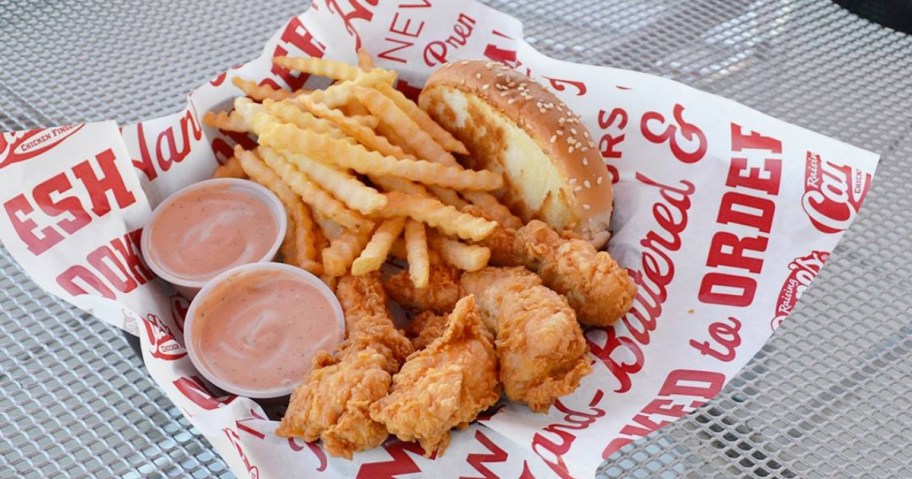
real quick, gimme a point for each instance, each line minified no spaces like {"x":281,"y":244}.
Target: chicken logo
{"x":832,"y":193}
{"x":21,"y":146}
{"x":802,"y":271}
{"x":164,"y":343}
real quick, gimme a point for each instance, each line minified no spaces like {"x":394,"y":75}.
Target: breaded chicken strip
{"x":540,"y":345}
{"x":440,"y":296}
{"x":332,"y":403}
{"x":444,"y":385}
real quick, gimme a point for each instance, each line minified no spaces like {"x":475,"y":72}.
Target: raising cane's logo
{"x":802,"y":271}
{"x":21,"y":146}
{"x":832,"y":193}
{"x":164,"y":344}
{"x":194,"y":389}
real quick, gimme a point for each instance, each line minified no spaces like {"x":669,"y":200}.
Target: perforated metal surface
{"x":829,"y":396}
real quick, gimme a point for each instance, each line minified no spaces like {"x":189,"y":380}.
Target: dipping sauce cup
{"x":254,"y":329}
{"x":210,"y":227}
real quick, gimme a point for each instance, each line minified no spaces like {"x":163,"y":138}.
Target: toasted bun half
{"x":512,"y":125}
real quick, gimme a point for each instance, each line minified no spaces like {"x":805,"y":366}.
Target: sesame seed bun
{"x":512,"y":125}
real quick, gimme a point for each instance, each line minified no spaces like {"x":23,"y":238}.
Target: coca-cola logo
{"x":802,"y":271}
{"x":832,"y":193}
{"x":194,"y":389}
{"x":164,"y":344}
{"x":23,"y":145}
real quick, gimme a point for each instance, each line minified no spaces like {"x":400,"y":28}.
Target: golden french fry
{"x":493,"y":209}
{"x":419,"y":116}
{"x":374,"y":254}
{"x":344,"y":186}
{"x":448,"y":196}
{"x":261,"y":92}
{"x":226,"y":121}
{"x":458,"y":254}
{"x":289,"y":113}
{"x":416,"y":248}
{"x":365,"y":62}
{"x":231,"y":169}
{"x":366,"y":120}
{"x":399,"y":251}
{"x":358,"y":158}
{"x":342,"y":93}
{"x":343,"y":251}
{"x":300,"y":247}
{"x":328,"y":229}
{"x":406,"y":129}
{"x":355,"y":108}
{"x":394,"y":183}
{"x":319,"y":66}
{"x":313,"y":195}
{"x":360,"y":132}
{"x":434,"y":213}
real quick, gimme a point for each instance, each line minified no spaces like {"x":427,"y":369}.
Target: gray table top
{"x":829,"y":396}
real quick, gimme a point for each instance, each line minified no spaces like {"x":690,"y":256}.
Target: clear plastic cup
{"x":193,"y":325}
{"x":189,"y":287}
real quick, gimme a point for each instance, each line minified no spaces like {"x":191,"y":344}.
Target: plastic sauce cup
{"x":254,"y":329}
{"x":209,"y":227}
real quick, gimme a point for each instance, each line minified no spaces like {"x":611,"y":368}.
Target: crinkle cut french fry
{"x":447,"y":196}
{"x":416,"y":247}
{"x":329,"y":229}
{"x":493,"y":209}
{"x":406,"y":129}
{"x":226,"y":121}
{"x":365,"y":61}
{"x":361,"y":133}
{"x":434,"y":213}
{"x":343,"y":251}
{"x":335,"y":96}
{"x":341,"y":184}
{"x":458,"y":254}
{"x":299,"y":247}
{"x":289,"y":113}
{"x":399,"y":251}
{"x":315,"y":196}
{"x":394,"y":183}
{"x":261,"y":92}
{"x":419,"y":116}
{"x":319,"y":66}
{"x":358,"y":158}
{"x":231,"y":169}
{"x":366,"y":120}
{"x":374,"y":254}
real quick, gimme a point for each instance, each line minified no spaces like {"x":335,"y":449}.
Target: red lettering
{"x":727,"y":289}
{"x":111,"y":181}
{"x":68,"y":281}
{"x":404,"y":29}
{"x":694,"y":383}
{"x":689,"y":132}
{"x":59,"y":183}
{"x":435,"y":52}
{"x":747,"y":210}
{"x":358,"y":12}
{"x":728,"y":249}
{"x":753,"y":141}
{"x":388,"y":54}
{"x":297,"y":36}
{"x":725,"y":335}
{"x":18,"y":208}
{"x":103,"y":259}
{"x":753,"y":178}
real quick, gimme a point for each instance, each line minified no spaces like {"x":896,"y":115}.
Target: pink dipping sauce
{"x":259,"y":330}
{"x":209,"y":230}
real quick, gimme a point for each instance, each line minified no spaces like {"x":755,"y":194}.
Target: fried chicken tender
{"x":540,"y":345}
{"x":333,"y":401}
{"x":444,"y":385}
{"x":597,"y":288}
{"x":425,"y":328}
{"x":440,"y":296}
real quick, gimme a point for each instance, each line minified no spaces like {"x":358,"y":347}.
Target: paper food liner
{"x":723,"y":217}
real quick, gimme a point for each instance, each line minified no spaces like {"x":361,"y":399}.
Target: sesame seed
{"x":573,"y":181}
{"x":500,"y":87}
{"x":586,"y":133}
{"x":561,"y":121}
{"x":570,"y":150}
{"x":511,"y":101}
{"x":499,"y":74}
{"x":465,"y":62}
{"x":478,"y":76}
{"x":573,"y":130}
{"x":586,"y":206}
{"x":553,"y":138}
{"x":560,"y":132}
{"x":599,"y":180}
{"x":584,"y":149}
{"x":587,"y":184}
{"x":542,"y":110}
{"x":485,"y":87}
{"x":577,"y":189}
{"x":585,"y":161}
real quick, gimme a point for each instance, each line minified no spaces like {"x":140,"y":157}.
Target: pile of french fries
{"x":363,"y":173}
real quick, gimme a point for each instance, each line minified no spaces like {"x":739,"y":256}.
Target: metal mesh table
{"x":829,"y":396}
